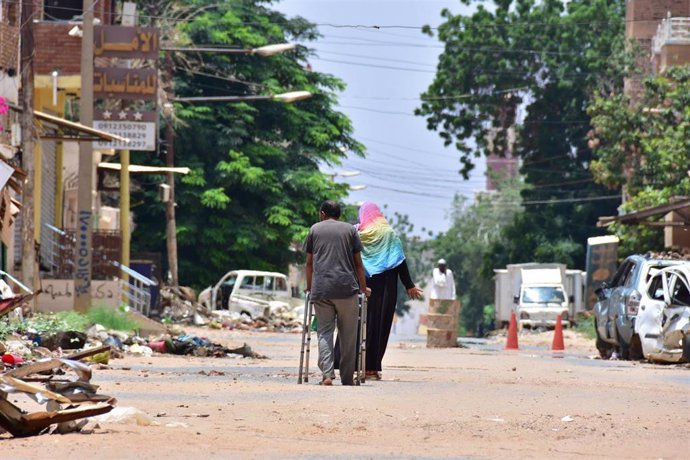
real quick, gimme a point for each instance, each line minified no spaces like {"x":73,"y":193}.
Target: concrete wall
{"x":58,"y":295}
{"x":643,"y":16}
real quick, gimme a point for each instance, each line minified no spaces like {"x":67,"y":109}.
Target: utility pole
{"x":171,"y":225}
{"x":83,"y":248}
{"x":29,"y":263}
{"x":124,"y":207}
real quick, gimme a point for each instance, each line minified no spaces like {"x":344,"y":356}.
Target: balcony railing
{"x":671,"y":31}
{"x":134,"y":289}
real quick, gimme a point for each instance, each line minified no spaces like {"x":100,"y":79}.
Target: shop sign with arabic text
{"x":119,"y":83}
{"x":126,"y":42}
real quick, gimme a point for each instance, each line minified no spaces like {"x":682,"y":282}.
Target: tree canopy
{"x":642,"y":146}
{"x":531,"y":66}
{"x":255,"y":185}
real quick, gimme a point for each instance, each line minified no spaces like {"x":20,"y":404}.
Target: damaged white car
{"x":250,"y":292}
{"x":662,"y":325}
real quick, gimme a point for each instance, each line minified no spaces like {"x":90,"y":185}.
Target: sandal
{"x":373,"y":375}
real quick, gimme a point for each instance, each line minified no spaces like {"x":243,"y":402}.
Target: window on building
{"x":61,"y":10}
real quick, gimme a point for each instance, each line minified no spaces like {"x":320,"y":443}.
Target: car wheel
{"x":636,"y":348}
{"x":603,"y":347}
{"x":624,"y":349}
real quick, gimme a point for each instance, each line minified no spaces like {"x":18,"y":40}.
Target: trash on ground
{"x":45,"y":382}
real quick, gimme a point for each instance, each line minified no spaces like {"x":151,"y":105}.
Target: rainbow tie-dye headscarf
{"x":382,"y":249}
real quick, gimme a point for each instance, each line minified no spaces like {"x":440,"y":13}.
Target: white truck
{"x":537,"y":293}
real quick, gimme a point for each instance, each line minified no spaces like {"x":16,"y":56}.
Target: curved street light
{"x":263,"y":51}
{"x":288,"y":98}
{"x":352,"y":173}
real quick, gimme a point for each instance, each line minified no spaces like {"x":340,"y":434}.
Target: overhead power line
{"x":78,"y":11}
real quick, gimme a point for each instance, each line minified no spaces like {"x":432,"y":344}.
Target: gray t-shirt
{"x":333,"y":245}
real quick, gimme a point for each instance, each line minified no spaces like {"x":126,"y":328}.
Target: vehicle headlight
{"x":564,"y":316}
{"x":524,"y":315}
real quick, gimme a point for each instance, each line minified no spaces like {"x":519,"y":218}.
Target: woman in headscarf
{"x":384,"y":262}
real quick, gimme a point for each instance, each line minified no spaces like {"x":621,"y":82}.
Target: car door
{"x":616,"y":304}
{"x":648,"y":320}
{"x":675,"y":312}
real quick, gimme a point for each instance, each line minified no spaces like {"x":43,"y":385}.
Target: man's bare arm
{"x":310,"y":270}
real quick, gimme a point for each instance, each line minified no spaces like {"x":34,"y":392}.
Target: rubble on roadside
{"x":178,"y":306}
{"x":45,"y":382}
{"x":277,"y":321}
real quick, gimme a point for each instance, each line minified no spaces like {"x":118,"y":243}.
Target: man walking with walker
{"x":335,"y":276}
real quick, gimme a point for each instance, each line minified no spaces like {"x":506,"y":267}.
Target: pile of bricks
{"x":442,"y":323}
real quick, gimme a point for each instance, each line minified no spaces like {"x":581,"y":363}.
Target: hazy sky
{"x":407,"y":167}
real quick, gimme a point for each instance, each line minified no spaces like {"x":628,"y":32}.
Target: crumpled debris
{"x":179,"y":305}
{"x":197,"y":346}
{"x":280,"y":319}
{"x":67,"y":400}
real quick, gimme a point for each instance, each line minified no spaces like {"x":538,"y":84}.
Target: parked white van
{"x":249,"y":292}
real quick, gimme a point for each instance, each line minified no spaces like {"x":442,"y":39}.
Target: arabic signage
{"x":126,"y":42}
{"x":119,"y":83}
{"x":58,"y":295}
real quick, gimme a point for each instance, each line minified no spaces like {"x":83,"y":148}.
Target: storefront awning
{"x":78,"y":128}
{"x":680,"y":206}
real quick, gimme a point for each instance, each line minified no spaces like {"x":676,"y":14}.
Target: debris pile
{"x":178,"y":305}
{"x":45,"y":382}
{"x":195,"y":346}
{"x":680,"y":254}
{"x":279,"y":320}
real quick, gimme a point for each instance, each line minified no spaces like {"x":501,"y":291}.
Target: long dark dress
{"x":380,"y":312}
{"x":381,"y":309}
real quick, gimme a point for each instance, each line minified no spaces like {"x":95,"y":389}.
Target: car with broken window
{"x":618,"y":304}
{"x":249,"y":292}
{"x":662,"y":325}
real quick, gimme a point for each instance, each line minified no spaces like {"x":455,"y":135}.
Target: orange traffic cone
{"x":512,"y":342}
{"x":557,"y":344}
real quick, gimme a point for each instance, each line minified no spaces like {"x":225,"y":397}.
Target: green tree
{"x":475,"y":228}
{"x":255,"y":185}
{"x":642,"y":146}
{"x":531,"y":66}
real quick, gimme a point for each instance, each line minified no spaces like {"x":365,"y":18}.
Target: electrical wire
{"x":379,"y":26}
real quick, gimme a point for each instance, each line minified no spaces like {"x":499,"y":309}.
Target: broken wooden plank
{"x":87,"y":353}
{"x":20,"y":385}
{"x":36,"y":422}
{"x":42,"y":365}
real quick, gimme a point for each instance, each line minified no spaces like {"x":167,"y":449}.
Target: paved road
{"x":475,"y":402}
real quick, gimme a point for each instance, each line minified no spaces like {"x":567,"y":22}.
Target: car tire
{"x":603,"y":347}
{"x":686,"y":349}
{"x":636,"y":348}
{"x":624,"y":349}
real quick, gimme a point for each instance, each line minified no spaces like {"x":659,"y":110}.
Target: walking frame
{"x":360,"y":373}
